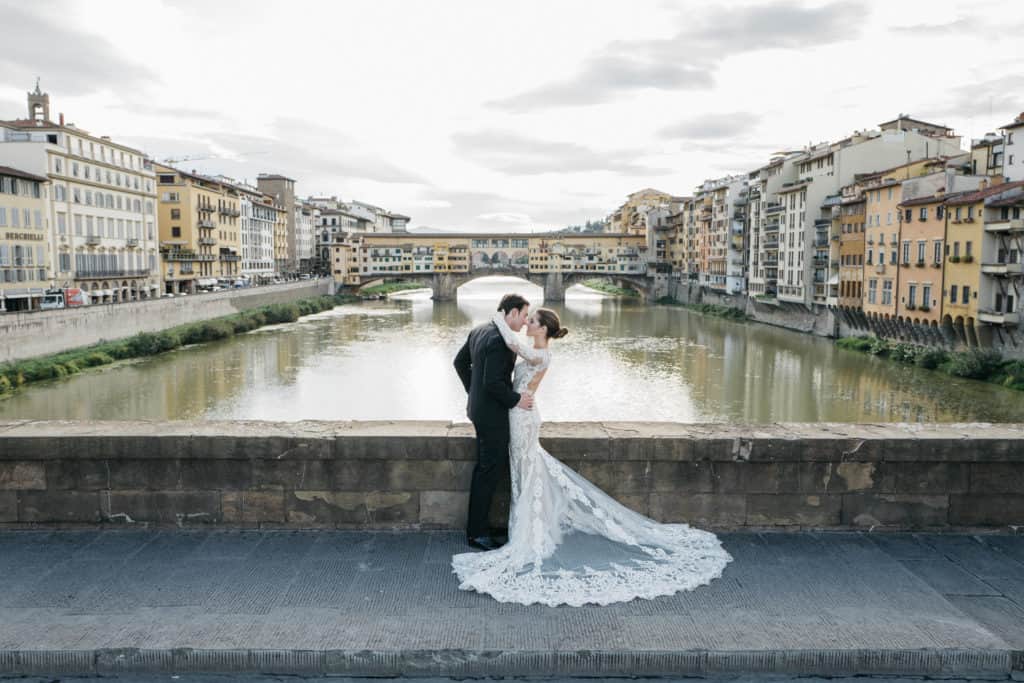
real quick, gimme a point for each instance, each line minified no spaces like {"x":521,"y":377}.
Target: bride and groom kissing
{"x":569,"y":543}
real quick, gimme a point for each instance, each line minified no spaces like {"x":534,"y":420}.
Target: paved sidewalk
{"x":374,"y":604}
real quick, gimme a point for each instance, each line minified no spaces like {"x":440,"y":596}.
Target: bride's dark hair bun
{"x":549,"y":319}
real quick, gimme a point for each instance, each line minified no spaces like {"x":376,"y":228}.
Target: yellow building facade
{"x":198,"y":219}
{"x":25,"y":267}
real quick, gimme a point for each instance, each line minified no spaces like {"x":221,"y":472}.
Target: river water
{"x":621,"y":361}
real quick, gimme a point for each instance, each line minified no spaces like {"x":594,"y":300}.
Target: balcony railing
{"x":132,"y":242}
{"x":207,"y":224}
{"x":880,"y":268}
{"x":180,"y":256}
{"x":96,"y":273}
{"x":1002,"y":269}
{"x":230,"y":257}
{"x":205,"y":208}
{"x":207,"y":241}
{"x":92,"y":239}
{"x":998,"y":317}
{"x":773,"y":208}
{"x":1006,"y":225}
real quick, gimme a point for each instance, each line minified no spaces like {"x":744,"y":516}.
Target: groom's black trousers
{"x":491,"y":461}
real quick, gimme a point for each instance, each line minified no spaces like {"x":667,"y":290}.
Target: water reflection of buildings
{"x":621,"y":361}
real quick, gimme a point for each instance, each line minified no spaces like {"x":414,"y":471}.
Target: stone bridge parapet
{"x":415,"y":475}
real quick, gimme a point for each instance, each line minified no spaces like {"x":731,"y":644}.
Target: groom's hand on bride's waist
{"x":525,"y":401}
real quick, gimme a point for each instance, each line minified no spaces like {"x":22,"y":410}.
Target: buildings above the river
{"x":24,"y":239}
{"x":360,"y":257}
{"x":98,"y":213}
{"x":895,"y":224}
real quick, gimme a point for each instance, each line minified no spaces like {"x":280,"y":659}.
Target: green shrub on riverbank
{"x":390,"y":288}
{"x":19,"y":373}
{"x":609,"y":288}
{"x":727,"y":312}
{"x":987,"y":366}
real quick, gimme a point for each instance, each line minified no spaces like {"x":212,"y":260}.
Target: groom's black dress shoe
{"x":483,"y":543}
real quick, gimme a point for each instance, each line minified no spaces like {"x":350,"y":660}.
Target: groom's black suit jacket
{"x":485,"y":367}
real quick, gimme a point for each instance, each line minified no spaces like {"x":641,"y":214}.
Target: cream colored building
{"x":631,"y":217}
{"x":25,"y":266}
{"x":101,"y":208}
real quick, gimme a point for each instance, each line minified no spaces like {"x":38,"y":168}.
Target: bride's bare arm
{"x":514,"y":342}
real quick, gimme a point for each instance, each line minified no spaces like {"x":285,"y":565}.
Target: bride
{"x":569,"y":542}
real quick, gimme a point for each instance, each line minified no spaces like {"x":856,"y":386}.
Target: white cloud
{"x":539,"y":115}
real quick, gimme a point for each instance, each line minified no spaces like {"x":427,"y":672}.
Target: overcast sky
{"x":505,"y":116}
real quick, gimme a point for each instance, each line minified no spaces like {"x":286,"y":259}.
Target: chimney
{"x":983,"y":184}
{"x":62,"y":119}
{"x":998,"y":179}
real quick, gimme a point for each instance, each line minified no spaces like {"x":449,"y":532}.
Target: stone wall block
{"x":253,"y":506}
{"x":22,"y":476}
{"x":444,"y":509}
{"x":8,"y":506}
{"x":630,"y":448}
{"x":842,"y":477}
{"x":423,"y":475}
{"x":997,"y":477}
{"x":682,"y":477}
{"x":215,"y":474}
{"x":59,"y":506}
{"x":396,"y":447}
{"x":283,"y":448}
{"x":756,"y":477}
{"x":77,"y":475}
{"x":359,"y":475}
{"x":152,"y":475}
{"x":719,"y":449}
{"x":986,"y":509}
{"x":181,"y":508}
{"x":629,"y":476}
{"x":582,"y":449}
{"x":814,"y":510}
{"x":907,"y":511}
{"x":17,"y":447}
{"x":716,"y":509}
{"x":367,"y":509}
{"x":928,"y":477}
{"x":292,"y":474}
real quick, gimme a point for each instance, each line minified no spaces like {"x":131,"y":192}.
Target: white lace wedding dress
{"x":569,"y":542}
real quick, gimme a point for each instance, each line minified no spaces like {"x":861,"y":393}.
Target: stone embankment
{"x":415,"y":475}
{"x":42,"y":333}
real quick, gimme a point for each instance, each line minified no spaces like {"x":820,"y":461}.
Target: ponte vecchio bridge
{"x":444,"y":262}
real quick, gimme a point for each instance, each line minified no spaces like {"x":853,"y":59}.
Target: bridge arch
{"x":444,"y":286}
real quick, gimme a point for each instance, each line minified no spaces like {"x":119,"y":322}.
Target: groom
{"x":485,"y":365}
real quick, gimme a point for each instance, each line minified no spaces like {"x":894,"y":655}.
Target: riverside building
{"x":25,"y":266}
{"x":100,"y":208}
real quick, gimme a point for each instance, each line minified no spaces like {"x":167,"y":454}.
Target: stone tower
{"x":38,"y":104}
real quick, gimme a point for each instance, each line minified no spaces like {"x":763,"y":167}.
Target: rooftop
{"x":24,"y":175}
{"x":979,"y":195}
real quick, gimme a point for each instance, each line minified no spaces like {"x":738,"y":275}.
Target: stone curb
{"x":478,"y":663}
